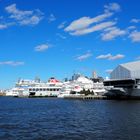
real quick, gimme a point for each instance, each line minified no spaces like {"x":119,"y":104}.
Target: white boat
{"x":55,"y":88}
{"x":27,"y":88}
{"x":80,"y":84}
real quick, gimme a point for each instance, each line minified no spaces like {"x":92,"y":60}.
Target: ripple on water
{"x":41,"y":119}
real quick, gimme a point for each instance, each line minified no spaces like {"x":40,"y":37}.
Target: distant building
{"x":66,"y":79}
{"x":75,"y":76}
{"x":37,"y":79}
{"x":126,"y":71}
{"x":94,"y":74}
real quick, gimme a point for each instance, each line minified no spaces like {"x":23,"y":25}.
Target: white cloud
{"x":107,"y":56}
{"x":62,"y":25}
{"x":84,"y":56}
{"x":131,"y":27}
{"x":110,"y":56}
{"x":24,"y":17}
{"x":85,"y":22}
{"x":135,"y":36}
{"x":112,"y":7}
{"x":41,"y":48}
{"x":111,"y":33}
{"x":12,"y":63}
{"x":135,"y":20}
{"x":118,"y":56}
{"x":3,"y":26}
{"x":51,"y":18}
{"x":33,"y":20}
{"x":95,"y":28}
{"x":86,"y":25}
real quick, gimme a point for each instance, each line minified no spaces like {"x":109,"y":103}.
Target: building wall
{"x":120,"y":73}
{"x":135,"y":74}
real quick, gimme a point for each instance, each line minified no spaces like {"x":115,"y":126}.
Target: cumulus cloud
{"x":131,"y":27}
{"x":41,"y":48}
{"x":95,"y":28}
{"x":84,"y":56}
{"x":107,"y":56}
{"x":51,"y":18}
{"x":110,"y":56}
{"x":3,"y":26}
{"x":112,"y":7}
{"x":134,"y":20}
{"x":11,"y":63}
{"x":112,"y":32}
{"x":86,"y":25}
{"x":85,"y":22}
{"x":135,"y":36}
{"x":24,"y":17}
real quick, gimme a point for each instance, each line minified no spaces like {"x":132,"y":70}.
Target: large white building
{"x":126,"y":71}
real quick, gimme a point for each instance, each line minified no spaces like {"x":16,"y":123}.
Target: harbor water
{"x":63,"y":119}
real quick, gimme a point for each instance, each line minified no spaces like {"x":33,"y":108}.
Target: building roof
{"x":133,"y":66}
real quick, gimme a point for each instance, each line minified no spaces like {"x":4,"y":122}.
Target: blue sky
{"x":58,"y":37}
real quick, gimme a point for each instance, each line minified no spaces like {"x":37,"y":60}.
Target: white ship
{"x":55,"y":88}
{"x":80,"y":84}
{"x":30,"y":88}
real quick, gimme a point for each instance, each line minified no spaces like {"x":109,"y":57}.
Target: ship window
{"x":30,"y":89}
{"x":37,"y":89}
{"x":40,"y":89}
{"x":54,"y":89}
{"x":44,"y":89}
{"x":33,"y":89}
{"x":50,"y":89}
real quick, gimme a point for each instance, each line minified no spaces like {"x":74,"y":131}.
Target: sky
{"x":56,"y":38}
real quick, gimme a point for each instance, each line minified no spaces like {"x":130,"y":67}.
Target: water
{"x":58,"y":119}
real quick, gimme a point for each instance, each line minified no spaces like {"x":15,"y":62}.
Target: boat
{"x":80,"y":84}
{"x":33,"y":88}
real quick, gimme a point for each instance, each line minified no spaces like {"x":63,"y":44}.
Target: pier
{"x":89,"y":97}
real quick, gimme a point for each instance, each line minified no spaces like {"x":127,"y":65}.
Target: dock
{"x":88,"y":97}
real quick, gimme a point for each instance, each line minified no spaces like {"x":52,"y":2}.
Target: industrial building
{"x":129,"y":70}
{"x":125,"y":81}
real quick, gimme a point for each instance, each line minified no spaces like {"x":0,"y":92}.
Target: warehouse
{"x":129,"y":70}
